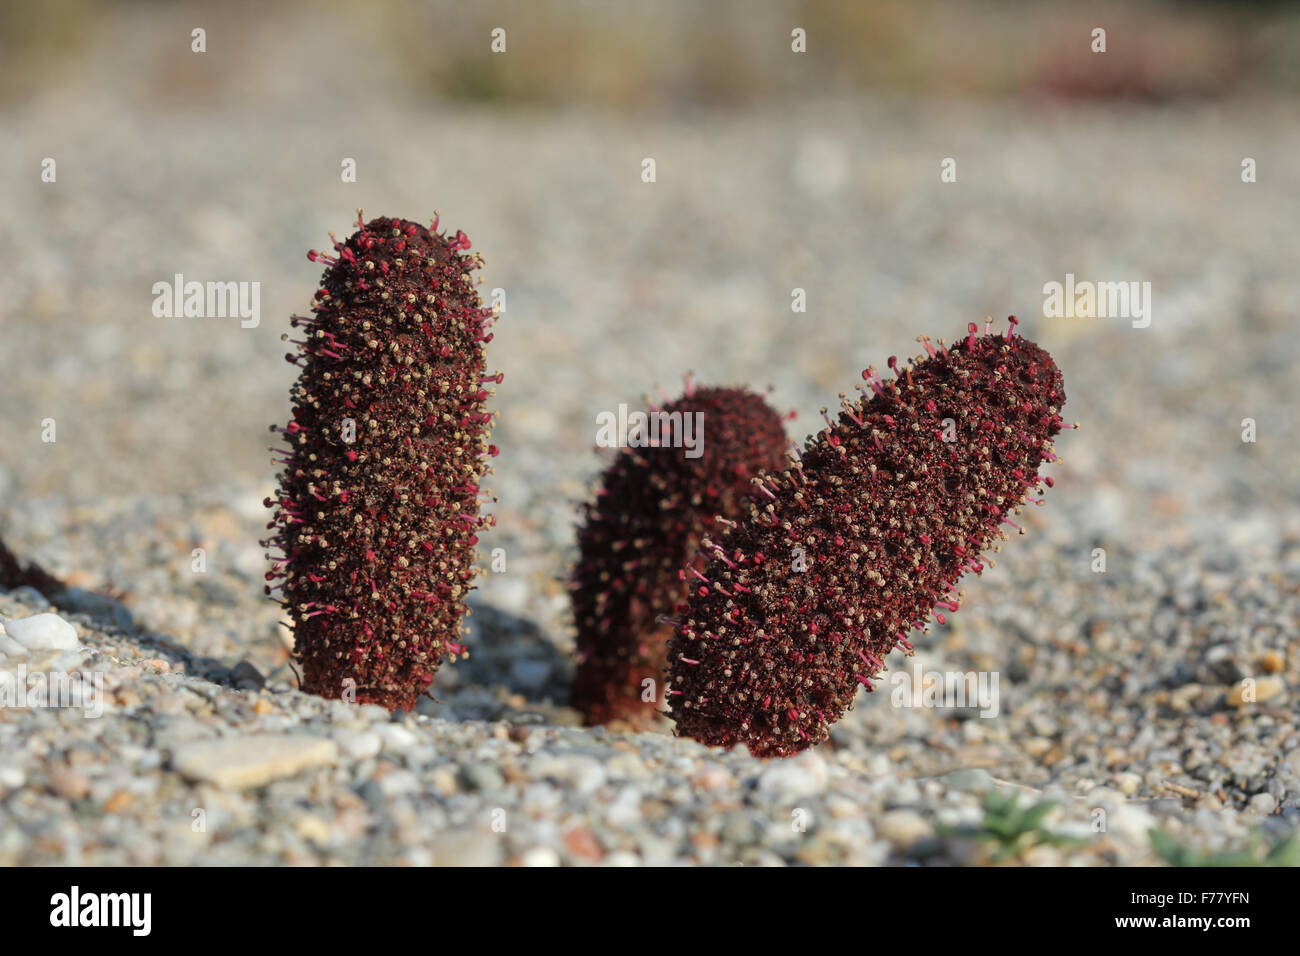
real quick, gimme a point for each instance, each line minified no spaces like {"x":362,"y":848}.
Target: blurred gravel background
{"x":1119,"y":690}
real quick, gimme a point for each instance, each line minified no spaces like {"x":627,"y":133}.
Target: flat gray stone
{"x":240,"y":763}
{"x":99,"y":606}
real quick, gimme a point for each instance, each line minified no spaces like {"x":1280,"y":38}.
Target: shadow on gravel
{"x":512,"y":652}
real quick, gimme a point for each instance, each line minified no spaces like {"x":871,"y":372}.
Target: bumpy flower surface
{"x":377,"y":514}
{"x":860,"y":541}
{"x":653,"y":508}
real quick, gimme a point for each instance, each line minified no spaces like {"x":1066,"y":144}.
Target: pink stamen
{"x":722,"y":556}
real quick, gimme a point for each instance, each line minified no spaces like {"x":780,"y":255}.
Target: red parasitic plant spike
{"x":860,"y":541}
{"x":653,"y":508}
{"x":377,"y":513}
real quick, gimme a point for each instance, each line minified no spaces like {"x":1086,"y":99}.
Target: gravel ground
{"x":1119,"y":691}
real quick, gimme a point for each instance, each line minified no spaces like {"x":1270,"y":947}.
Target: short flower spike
{"x":861,"y":540}
{"x":644,"y":529}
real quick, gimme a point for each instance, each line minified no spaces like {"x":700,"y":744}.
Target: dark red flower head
{"x":654,"y":506}
{"x":378,"y":509}
{"x":860,"y":541}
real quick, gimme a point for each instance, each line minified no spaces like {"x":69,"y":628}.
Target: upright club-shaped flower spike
{"x":647,"y":527}
{"x":377,"y":513}
{"x":862,"y":540}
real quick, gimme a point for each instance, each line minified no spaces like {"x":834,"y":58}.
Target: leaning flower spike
{"x":653,"y":508}
{"x":377,"y":513}
{"x":861,"y":540}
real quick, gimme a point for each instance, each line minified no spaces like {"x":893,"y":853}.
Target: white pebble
{"x":358,"y":746}
{"x":9,"y":647}
{"x":399,"y":783}
{"x":43,"y":632}
{"x":622,"y":858}
{"x":583,"y":774}
{"x":1128,"y":783}
{"x":11,"y":778}
{"x":540,"y":856}
{"x":625,"y":809}
{"x":1261,"y":803}
{"x":794,"y":776}
{"x":396,"y":738}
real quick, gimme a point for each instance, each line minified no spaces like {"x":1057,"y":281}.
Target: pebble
{"x":582,"y":843}
{"x":1291,"y":763}
{"x":239,"y":763}
{"x":1129,"y":820}
{"x":797,"y":776}
{"x":81,"y":601}
{"x":466,"y":849}
{"x":582,"y":774}
{"x":903,"y":828}
{"x":482,"y":776}
{"x":1128,"y":783}
{"x":119,"y":801}
{"x":31,"y":597}
{"x":539,"y":856}
{"x":246,"y":676}
{"x":444,"y":781}
{"x":969,"y":780}
{"x":625,"y":809}
{"x":1262,"y":803}
{"x":43,"y":632}
{"x":399,"y":783}
{"x":1263,"y":688}
{"x":358,"y":746}
{"x":712,"y":779}
{"x":395,"y":737}
{"x":12,"y":777}
{"x":1271,"y":662}
{"x":69,"y":783}
{"x":313,"y":828}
